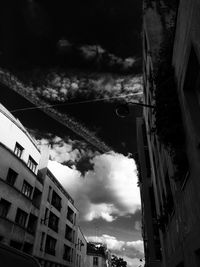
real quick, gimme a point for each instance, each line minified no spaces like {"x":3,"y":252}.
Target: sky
{"x":83,"y":61}
{"x":106,"y":195}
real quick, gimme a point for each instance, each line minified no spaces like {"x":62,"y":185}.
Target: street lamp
{"x":123,"y":110}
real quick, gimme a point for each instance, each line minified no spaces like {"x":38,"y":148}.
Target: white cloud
{"x":107,"y":191}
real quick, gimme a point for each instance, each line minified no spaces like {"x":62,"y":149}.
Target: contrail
{"x":28,"y":93}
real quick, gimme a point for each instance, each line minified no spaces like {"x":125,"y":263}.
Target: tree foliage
{"x":118,"y":262}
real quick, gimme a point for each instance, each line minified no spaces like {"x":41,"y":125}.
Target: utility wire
{"x":75,"y":103}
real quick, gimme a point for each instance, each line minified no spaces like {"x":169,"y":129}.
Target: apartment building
{"x":37,"y":215}
{"x":57,"y":228}
{"x":171,"y":56}
{"x":20,"y":187}
{"x":98,"y":255}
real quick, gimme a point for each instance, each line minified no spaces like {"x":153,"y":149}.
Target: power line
{"x":75,"y":103}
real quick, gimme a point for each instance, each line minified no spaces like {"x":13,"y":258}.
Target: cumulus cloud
{"x":64,"y":87}
{"x":107,"y":191}
{"x":72,"y":153}
{"x":131,"y":252}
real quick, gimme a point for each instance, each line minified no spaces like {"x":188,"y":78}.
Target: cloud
{"x":131,"y":252}
{"x":138,"y":245}
{"x":72,"y":153}
{"x":107,"y":191}
{"x":64,"y":87}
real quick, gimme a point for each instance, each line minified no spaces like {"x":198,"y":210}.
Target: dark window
{"x":56,"y":201}
{"x":4,"y":207}
{"x":69,"y":233}
{"x":169,"y":204}
{"x":11,"y":176}
{"x":70,"y":214}
{"x":32,"y":224}
{"x":49,"y":194}
{"x":53,"y":222}
{"x":181,"y":264}
{"x":197,"y":256}
{"x":95,"y":261}
{"x":18,"y":150}
{"x":191,"y":87}
{"x":32,"y":164}
{"x":37,"y":198}
{"x":27,"y":189}
{"x":15,"y":244}
{"x":21,"y":217}
{"x":50,"y":246}
{"x":28,"y":248}
{"x":67,"y":253}
{"x":46,"y":216}
{"x":42,"y":241}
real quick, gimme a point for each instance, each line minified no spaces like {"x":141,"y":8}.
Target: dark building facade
{"x":171,"y":56}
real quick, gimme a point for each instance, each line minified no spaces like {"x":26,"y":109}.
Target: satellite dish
{"x":122,"y":110}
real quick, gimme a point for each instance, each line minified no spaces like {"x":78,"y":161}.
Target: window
{"x":42,"y":241}
{"x":67,"y":253}
{"x":191,"y":87}
{"x":56,"y":201}
{"x":49,"y":194}
{"x":28,"y":248}
{"x":46,"y":216}
{"x":32,"y":224}
{"x":53,"y":222}
{"x":32,"y":164}
{"x":37,"y":198}
{"x":95,"y":261}
{"x":69,"y":233}
{"x":50,"y":246}
{"x":21,"y":217}
{"x":4,"y":207}
{"x":11,"y":176}
{"x":197,"y":256}
{"x":18,"y":150}
{"x":15,"y":244}
{"x":70,"y":214}
{"x":27,"y":189}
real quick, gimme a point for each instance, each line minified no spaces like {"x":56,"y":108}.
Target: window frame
{"x":50,"y":245}
{"x":53,"y":222}
{"x":18,"y":150}
{"x":11,"y":176}
{"x":32,"y":164}
{"x":27,"y":189}
{"x":18,"y":220}
{"x":95,"y":261}
{"x":5,"y":209}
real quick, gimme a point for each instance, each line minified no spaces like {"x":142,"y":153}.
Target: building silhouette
{"x":168,"y":134}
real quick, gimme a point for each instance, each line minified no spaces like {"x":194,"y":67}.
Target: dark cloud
{"x":31,"y":30}
{"x":123,"y":227}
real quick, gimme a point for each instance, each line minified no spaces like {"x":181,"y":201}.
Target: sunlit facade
{"x":20,"y":189}
{"x":37,"y":215}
